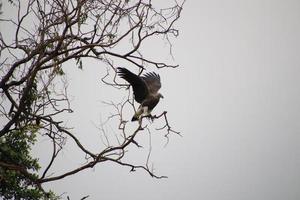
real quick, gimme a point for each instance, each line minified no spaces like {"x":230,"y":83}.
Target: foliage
{"x":15,"y":179}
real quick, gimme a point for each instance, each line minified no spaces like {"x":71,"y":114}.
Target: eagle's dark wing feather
{"x":152,"y":81}
{"x":150,"y":103}
{"x":140,"y":89}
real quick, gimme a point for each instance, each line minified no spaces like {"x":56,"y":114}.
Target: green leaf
{"x":15,"y":150}
{"x":79,"y":63}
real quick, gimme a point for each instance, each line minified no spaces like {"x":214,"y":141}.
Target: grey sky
{"x":235,"y":99}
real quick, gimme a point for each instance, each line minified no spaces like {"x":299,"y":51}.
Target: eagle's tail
{"x":137,"y":115}
{"x":134,"y":118}
{"x":139,"y":112}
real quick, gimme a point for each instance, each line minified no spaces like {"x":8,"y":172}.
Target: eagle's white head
{"x":160,"y":95}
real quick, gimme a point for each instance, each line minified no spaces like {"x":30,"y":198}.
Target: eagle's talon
{"x":151,"y":117}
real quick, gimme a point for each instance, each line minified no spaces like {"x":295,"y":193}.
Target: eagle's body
{"x":145,"y":90}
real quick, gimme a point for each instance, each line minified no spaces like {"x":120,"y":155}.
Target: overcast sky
{"x":235,"y":99}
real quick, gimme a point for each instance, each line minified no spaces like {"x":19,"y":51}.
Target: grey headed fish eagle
{"x":145,"y":90}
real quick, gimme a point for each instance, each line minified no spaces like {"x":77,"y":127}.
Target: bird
{"x":145,"y":90}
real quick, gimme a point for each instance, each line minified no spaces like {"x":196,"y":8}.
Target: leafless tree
{"x":49,"y":34}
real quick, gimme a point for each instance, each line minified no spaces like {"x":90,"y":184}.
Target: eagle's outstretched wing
{"x":140,"y":89}
{"x":152,"y":81}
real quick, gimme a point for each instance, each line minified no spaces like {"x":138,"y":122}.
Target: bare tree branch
{"x":34,"y":61}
